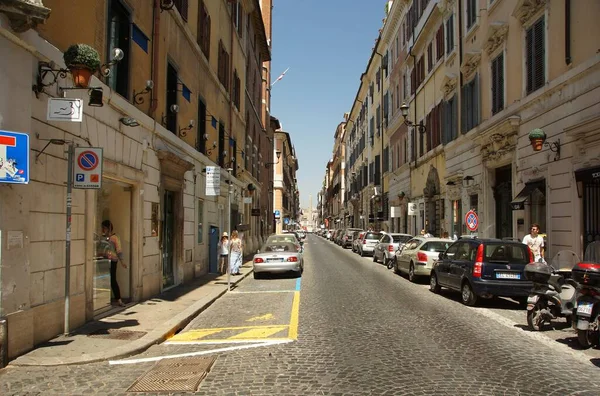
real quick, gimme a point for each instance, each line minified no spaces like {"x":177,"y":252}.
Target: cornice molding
{"x":526,"y":9}
{"x":496,"y":36}
{"x":470,"y":63}
{"x":24,"y":14}
{"x":446,"y":6}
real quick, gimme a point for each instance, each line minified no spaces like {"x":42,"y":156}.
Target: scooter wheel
{"x":534,"y":318}
{"x":585,"y":338}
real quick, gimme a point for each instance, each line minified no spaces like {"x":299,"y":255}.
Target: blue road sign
{"x":286,"y":220}
{"x":14,"y":157}
{"x":88,"y":160}
{"x":80,"y":177}
{"x":277,"y":214}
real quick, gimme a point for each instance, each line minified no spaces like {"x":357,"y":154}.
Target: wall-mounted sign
{"x":14,"y":157}
{"x":88,"y":167}
{"x":247,"y":200}
{"x":213,"y":181}
{"x":277,"y":214}
{"x":65,"y":109}
{"x":256,"y":212}
{"x":412,"y":209}
{"x":395,"y":212}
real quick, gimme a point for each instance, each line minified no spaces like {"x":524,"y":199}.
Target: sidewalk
{"x":134,"y":328}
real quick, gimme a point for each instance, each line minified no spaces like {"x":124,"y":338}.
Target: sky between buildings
{"x":326,"y":44}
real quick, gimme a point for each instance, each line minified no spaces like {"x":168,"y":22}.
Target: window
{"x":200,"y":137}
{"x":439,"y":43}
{"x":378,"y":115}
{"x":172,"y":82}
{"x":377,"y":174}
{"x":430,"y":57}
{"x":372,"y":130}
{"x":118,"y":37}
{"x":498,"y":84}
{"x":457,"y":217}
{"x":223,"y":66}
{"x":222,"y":152}
{"x":434,"y":126}
{"x":182,"y":7}
{"x":237,"y":16}
{"x":200,"y":220}
{"x":237,"y":89}
{"x":450,"y":127}
{"x":203,"y":29}
{"x":471,"y":9}
{"x":470,"y":105}
{"x":450,"y":34}
{"x":535,"y":56}
{"x":421,"y":144}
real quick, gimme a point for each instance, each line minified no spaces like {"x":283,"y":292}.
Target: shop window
{"x":200,"y":221}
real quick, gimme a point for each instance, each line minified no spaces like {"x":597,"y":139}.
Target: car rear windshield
{"x":279,"y":247}
{"x":372,"y":236}
{"x":506,"y":253}
{"x":401,"y":238}
{"x":435,"y":246}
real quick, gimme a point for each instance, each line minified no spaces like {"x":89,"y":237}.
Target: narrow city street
{"x":348,"y":326}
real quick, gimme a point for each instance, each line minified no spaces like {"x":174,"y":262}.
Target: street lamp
{"x":404,"y":111}
{"x":278,"y":155}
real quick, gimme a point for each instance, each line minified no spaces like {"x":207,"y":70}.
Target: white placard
{"x":412,"y":209}
{"x":395,"y":211}
{"x":247,"y":200}
{"x":65,"y":109}
{"x":87,"y":167}
{"x":213,"y":181}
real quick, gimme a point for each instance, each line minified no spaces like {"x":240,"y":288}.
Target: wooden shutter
{"x":476,"y":102}
{"x":413,"y":80}
{"x":539,"y":54}
{"x":463,"y":108}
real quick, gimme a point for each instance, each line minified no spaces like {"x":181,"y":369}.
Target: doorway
{"x":168,"y":234}
{"x":213,"y":253}
{"x":503,"y":197}
{"x":113,"y":203}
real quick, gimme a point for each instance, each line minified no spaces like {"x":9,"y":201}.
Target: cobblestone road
{"x":362,"y":330}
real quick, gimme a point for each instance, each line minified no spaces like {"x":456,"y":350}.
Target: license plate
{"x":274,"y":260}
{"x":532,"y":299}
{"x":584,"y":308}
{"x":507,"y":275}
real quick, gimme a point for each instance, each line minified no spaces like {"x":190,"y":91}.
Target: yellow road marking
{"x":263,"y":317}
{"x":265,"y":332}
{"x":293,"y":332}
{"x":194,"y":334}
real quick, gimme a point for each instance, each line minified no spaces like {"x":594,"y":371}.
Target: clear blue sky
{"x":327,"y":45}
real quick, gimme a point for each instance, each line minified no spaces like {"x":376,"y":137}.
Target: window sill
{"x":451,"y":56}
{"x":471,"y":31}
{"x":492,"y":6}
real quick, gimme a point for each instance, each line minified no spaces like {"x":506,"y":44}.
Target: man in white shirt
{"x":535,"y":243}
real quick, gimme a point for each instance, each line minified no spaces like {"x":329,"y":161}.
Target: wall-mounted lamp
{"x":137,"y":97}
{"x":401,"y":195}
{"x":173,"y":109}
{"x":210,"y":149}
{"x":278,"y":155}
{"x":420,"y":126}
{"x":537,"y":137}
{"x":116,"y":55}
{"x":184,"y":131}
{"x":166,"y":5}
{"x":129,"y":121}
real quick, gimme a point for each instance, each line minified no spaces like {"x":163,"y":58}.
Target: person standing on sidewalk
{"x":115,"y":254}
{"x":535,"y":243}
{"x":236,"y":252}
{"x":223,"y":253}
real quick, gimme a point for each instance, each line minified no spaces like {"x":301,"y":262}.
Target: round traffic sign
{"x":472,"y":220}
{"x":88,"y":160}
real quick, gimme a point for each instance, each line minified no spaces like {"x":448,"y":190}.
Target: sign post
{"x":70,"y":150}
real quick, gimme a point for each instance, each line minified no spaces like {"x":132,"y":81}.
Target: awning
{"x":588,"y":175}
{"x":518,"y":203}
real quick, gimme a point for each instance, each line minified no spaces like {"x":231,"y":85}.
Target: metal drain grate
{"x":174,"y":375}
{"x":115,"y":334}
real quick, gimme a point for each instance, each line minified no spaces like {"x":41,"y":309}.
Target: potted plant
{"x":82,"y":61}
{"x":537,"y":137}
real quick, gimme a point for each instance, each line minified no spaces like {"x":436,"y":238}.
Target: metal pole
{"x":70,"y":150}
{"x":229,"y":225}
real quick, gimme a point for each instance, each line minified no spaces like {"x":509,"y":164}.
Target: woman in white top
{"x":236,"y":253}
{"x":223,"y":253}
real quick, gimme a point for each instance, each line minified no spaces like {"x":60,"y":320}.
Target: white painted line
{"x":217,"y":342}
{"x":538,"y":336}
{"x":198,"y":353}
{"x":262,"y":291}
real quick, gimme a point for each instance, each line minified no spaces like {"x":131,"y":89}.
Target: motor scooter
{"x":587,"y":274}
{"x":554,"y":292}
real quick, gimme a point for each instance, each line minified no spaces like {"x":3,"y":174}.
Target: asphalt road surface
{"x":347,"y":327}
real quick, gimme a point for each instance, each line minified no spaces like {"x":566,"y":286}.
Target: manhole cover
{"x":115,"y":334}
{"x":174,"y":375}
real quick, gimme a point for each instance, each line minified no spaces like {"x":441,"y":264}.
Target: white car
{"x":418,"y":255}
{"x":387,"y":246}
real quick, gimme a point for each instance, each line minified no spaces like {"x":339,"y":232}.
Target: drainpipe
{"x":154,"y":64}
{"x":568,"y":32}
{"x":460,"y":59}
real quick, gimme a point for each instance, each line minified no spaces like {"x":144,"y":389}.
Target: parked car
{"x":418,"y":255}
{"x":336,"y":236}
{"x":347,"y":237}
{"x":357,"y":239}
{"x":483,"y":268}
{"x":368,"y":242}
{"x":387,"y":245}
{"x":279,"y":254}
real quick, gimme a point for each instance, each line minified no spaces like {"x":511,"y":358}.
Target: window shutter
{"x":476,"y":104}
{"x":539,"y":54}
{"x":463,"y":108}
{"x":413,"y":81}
{"x":529,"y":59}
{"x":445,"y":123}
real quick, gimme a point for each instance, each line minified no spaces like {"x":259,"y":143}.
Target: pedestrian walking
{"x":223,"y":247}
{"x":114,"y":253}
{"x":535,"y":243}
{"x":236,"y":251}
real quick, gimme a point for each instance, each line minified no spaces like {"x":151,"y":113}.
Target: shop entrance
{"x":113,"y":203}
{"x":168,"y":237}
{"x":503,"y":197}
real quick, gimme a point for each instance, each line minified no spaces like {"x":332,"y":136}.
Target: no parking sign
{"x":472,"y":220}
{"x":88,"y":167}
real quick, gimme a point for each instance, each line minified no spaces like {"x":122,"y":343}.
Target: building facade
{"x":286,"y":193}
{"x":173,"y":105}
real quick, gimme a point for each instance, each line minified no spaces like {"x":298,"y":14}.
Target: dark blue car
{"x":483,"y":268}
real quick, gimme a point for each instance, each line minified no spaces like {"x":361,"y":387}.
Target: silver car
{"x":418,"y":256}
{"x":279,"y":254}
{"x":387,"y":246}
{"x":368,"y":242}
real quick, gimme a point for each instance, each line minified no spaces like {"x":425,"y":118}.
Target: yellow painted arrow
{"x":263,"y":317}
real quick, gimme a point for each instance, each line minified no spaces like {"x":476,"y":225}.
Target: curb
{"x":157,"y":336}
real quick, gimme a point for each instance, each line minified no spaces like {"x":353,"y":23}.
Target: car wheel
{"x":390,"y":263}
{"x":434,"y":286}
{"x":396,"y":270}
{"x":374,"y":257}
{"x":257,"y":275}
{"x":467,"y":296}
{"x":411,"y":273}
